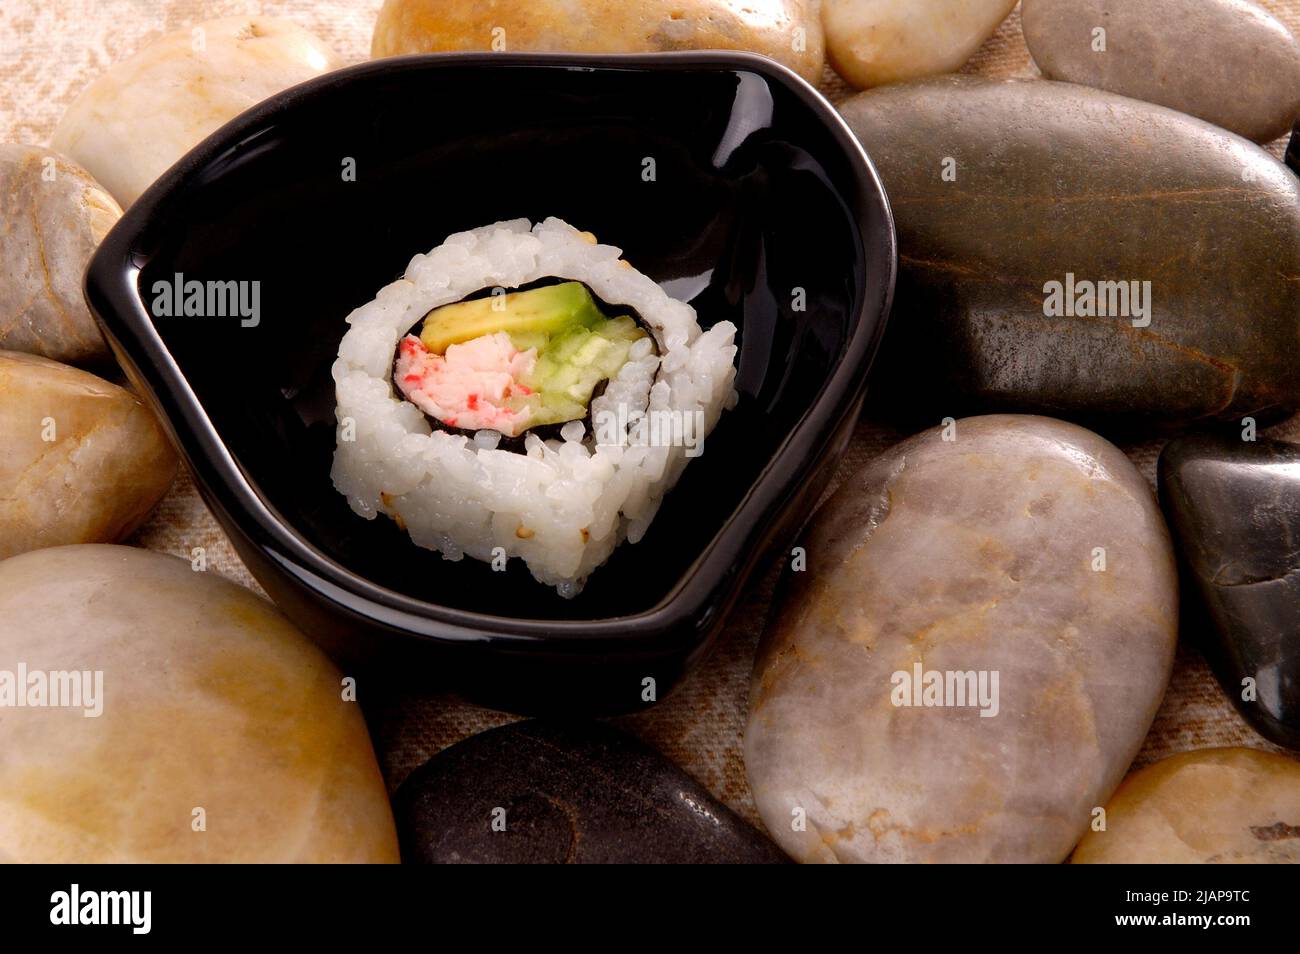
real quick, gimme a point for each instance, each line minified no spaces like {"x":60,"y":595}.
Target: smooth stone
{"x":1234,"y":509}
{"x":1212,"y":806}
{"x":84,"y":460}
{"x":1230,"y":62}
{"x":873,"y":42}
{"x":1055,"y":180}
{"x":788,"y":31}
{"x":970,"y":555}
{"x":55,"y":215}
{"x":571,"y":793}
{"x":132,"y":123}
{"x":210,"y":700}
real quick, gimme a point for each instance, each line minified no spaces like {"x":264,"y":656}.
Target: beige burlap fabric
{"x":49,"y":49}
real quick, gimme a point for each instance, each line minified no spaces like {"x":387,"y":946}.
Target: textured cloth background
{"x":50,"y":49}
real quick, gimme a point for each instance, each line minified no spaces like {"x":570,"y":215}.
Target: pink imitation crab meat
{"x":476,"y":385}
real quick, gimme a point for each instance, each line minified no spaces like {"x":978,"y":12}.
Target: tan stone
{"x":982,"y":555}
{"x":209,"y":701}
{"x":786,"y":30}
{"x":84,"y":460}
{"x":223,"y":734}
{"x":1213,"y":806}
{"x":54,"y":216}
{"x":131,"y":124}
{"x":873,"y":42}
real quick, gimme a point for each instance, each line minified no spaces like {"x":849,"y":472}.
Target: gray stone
{"x":1230,"y":62}
{"x":1025,"y":548}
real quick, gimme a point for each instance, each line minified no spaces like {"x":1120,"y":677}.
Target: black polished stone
{"x":570,"y":793}
{"x":1234,"y":509}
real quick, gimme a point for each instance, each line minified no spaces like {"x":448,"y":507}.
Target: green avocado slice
{"x":539,"y":311}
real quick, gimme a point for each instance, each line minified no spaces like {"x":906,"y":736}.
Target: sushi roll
{"x":523,"y":392}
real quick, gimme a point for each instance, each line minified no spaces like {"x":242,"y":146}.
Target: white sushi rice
{"x":563,"y":505}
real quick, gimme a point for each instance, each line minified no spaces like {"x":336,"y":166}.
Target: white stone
{"x":873,"y":42}
{"x":1025,"y":548}
{"x":131,"y":124}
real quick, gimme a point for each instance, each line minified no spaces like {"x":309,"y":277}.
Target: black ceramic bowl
{"x":761,"y":201}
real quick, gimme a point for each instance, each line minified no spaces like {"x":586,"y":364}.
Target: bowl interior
{"x":721,"y":183}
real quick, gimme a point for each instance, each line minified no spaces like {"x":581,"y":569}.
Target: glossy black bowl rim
{"x":112,"y":292}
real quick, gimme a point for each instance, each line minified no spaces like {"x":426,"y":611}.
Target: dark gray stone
{"x":573,"y":793}
{"x":1054,"y":180}
{"x":1234,"y":508}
